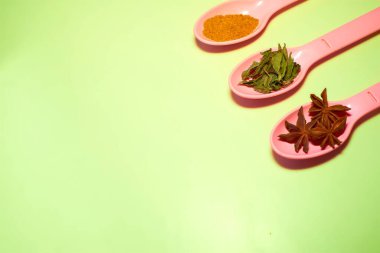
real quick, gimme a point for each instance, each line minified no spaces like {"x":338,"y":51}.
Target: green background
{"x":119,"y":134}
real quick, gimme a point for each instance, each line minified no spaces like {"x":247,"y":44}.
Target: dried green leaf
{"x":289,"y":69}
{"x":276,"y":61}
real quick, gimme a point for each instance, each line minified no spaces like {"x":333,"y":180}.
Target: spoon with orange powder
{"x":236,"y":21}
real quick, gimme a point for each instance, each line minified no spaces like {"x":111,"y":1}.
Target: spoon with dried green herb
{"x":261,"y":76}
{"x":321,"y":126}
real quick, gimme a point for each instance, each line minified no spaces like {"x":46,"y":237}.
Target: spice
{"x":229,"y":27}
{"x":275,"y":70}
{"x":326,"y":125}
{"x":299,"y":133}
{"x":321,"y":111}
{"x":328,"y":136}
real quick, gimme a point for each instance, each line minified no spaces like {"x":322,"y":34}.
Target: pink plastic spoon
{"x":262,"y":10}
{"x":361,"y":104}
{"x":311,"y":53}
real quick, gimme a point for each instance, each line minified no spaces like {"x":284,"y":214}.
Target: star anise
{"x":328,"y":135}
{"x":298,"y":134}
{"x":320,"y":111}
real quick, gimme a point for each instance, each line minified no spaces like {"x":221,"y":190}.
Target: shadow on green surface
{"x":9,"y":37}
{"x":255,"y":103}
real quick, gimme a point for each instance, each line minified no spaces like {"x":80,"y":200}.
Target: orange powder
{"x":229,"y":27}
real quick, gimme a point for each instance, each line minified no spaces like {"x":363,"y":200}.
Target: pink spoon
{"x":361,"y":104}
{"x":311,"y":53}
{"x":262,"y":10}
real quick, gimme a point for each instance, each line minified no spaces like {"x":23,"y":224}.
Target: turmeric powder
{"x":229,"y":27}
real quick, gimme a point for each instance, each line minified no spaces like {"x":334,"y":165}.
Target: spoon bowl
{"x":311,"y":53}
{"x":286,"y":149}
{"x":262,"y":10}
{"x":244,"y":91}
{"x":361,"y":104}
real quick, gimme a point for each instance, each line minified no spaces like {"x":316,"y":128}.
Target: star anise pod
{"x":328,"y":136}
{"x":320,"y":111}
{"x":298,"y":134}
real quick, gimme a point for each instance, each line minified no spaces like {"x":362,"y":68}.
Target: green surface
{"x":118,"y":134}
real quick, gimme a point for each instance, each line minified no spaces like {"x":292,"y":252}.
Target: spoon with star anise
{"x":328,"y":126}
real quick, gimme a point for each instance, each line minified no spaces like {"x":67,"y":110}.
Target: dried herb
{"x":275,"y":70}
{"x":326,"y":125}
{"x":328,"y":136}
{"x":298,"y":134}
{"x":320,"y":111}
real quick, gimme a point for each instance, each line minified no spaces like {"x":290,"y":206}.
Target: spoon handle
{"x":343,"y":36}
{"x":364,"y":102}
